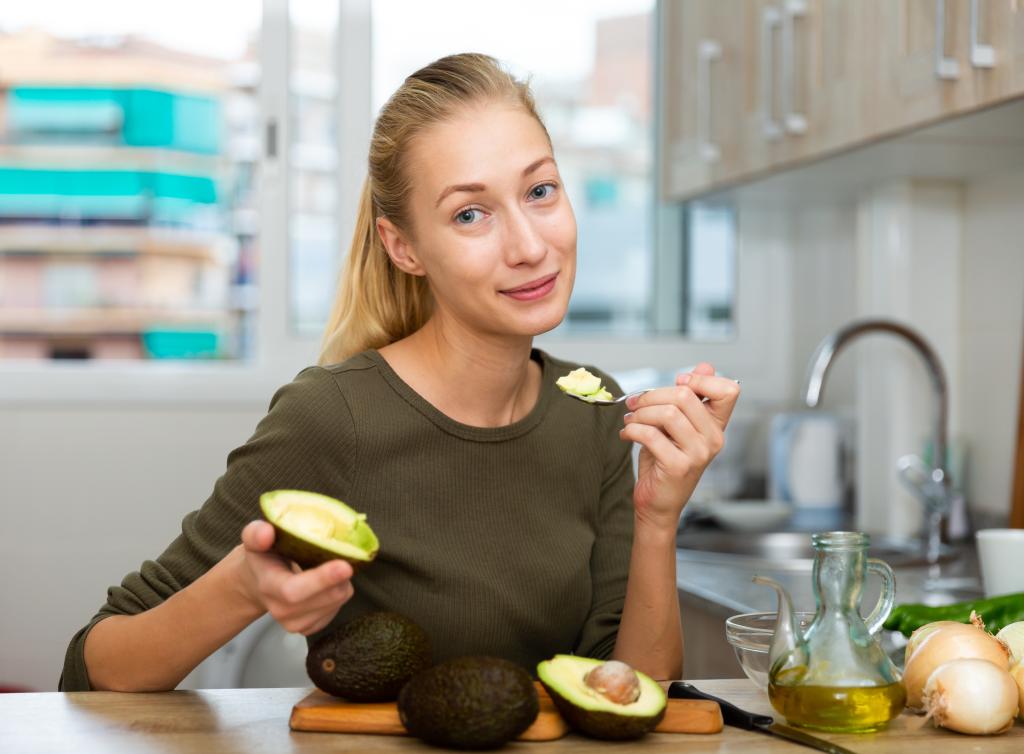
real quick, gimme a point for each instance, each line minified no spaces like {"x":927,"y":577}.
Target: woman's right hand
{"x":303,"y":602}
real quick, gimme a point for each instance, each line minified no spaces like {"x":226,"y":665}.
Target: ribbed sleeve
{"x":305,"y":436}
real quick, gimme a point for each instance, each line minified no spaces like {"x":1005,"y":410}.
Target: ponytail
{"x":376,"y":303}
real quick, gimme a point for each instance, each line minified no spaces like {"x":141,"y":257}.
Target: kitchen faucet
{"x":931,"y":484}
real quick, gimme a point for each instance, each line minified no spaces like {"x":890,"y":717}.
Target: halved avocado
{"x":311,"y":528}
{"x":591,"y":713}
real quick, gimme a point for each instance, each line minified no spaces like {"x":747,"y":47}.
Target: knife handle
{"x":731,"y":714}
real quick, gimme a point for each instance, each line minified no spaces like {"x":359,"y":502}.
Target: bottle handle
{"x":886,"y":599}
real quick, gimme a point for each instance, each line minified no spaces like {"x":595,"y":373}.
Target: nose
{"x":524,"y":243}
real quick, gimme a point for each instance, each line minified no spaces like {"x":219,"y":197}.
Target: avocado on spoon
{"x":584,"y":386}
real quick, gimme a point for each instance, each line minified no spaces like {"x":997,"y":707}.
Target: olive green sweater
{"x":511,"y":541}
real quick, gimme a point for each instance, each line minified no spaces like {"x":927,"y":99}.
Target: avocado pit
{"x":615,"y":681}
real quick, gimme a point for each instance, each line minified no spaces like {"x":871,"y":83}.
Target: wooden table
{"x":256,"y":720}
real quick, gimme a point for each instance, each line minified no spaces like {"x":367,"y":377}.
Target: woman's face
{"x":493,"y":230}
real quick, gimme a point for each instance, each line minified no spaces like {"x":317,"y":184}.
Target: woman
{"x":509,"y":519}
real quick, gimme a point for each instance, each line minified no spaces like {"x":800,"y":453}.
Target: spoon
{"x":622,"y":398}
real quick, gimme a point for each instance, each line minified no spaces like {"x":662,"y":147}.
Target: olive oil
{"x":851,"y":709}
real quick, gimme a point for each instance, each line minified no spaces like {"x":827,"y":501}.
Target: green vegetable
{"x":995,"y":611}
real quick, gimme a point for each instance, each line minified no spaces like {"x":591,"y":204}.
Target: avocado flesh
{"x":311,"y":528}
{"x":580,"y":382}
{"x":591,"y":713}
{"x":369,"y":658}
{"x":471,"y":702}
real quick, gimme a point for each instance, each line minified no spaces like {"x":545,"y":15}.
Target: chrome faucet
{"x":931,"y":484}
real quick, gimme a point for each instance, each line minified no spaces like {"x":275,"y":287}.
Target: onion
{"x":1017,"y":673}
{"x":960,"y":641}
{"x":923,"y":633}
{"x":971,"y":696}
{"x":1013,"y":635}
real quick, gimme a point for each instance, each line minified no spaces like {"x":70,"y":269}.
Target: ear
{"x":398,"y":247}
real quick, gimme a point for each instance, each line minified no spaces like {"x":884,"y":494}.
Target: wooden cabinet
{"x":700,"y":86}
{"x":753,"y":86}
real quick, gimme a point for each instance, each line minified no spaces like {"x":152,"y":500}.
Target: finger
{"x":703,"y":436}
{"x":329,"y":601}
{"x":672,"y":422}
{"x":666,"y":453}
{"x":318,"y":625}
{"x":695,"y":409}
{"x":700,"y":417}
{"x":332,"y":599}
{"x":302,"y":586}
{"x":318,"y":612}
{"x":721,"y":392}
{"x":703,"y":367}
{"x":258,"y":536}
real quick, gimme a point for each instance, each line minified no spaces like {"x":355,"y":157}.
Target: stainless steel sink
{"x":788,"y":550}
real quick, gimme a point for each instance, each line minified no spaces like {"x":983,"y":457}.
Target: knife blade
{"x":739,"y":718}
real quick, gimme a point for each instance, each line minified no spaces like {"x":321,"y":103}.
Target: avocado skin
{"x":373,"y":657}
{"x":604,"y":725}
{"x":308,"y":554}
{"x":473,"y":702}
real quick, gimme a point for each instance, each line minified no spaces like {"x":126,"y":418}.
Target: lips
{"x":532,"y":286}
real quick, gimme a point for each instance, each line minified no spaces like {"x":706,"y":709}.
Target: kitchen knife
{"x":738,"y":718}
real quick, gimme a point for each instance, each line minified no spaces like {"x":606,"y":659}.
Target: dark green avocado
{"x":370,"y":658}
{"x":473,"y":702}
{"x":311,"y":529}
{"x":593,"y":714}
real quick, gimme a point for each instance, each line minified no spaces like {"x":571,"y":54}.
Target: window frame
{"x":280,"y":351}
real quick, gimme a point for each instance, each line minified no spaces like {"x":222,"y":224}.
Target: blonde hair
{"x":377,"y":303}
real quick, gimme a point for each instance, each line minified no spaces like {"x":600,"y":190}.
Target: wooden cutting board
{"x":321,"y":712}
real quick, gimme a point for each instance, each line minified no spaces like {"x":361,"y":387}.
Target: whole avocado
{"x":370,"y":658}
{"x":474,"y":702}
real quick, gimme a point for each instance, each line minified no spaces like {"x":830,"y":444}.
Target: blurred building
{"x":126,"y":203}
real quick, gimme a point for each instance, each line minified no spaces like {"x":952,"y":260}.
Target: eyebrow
{"x":473,"y":187}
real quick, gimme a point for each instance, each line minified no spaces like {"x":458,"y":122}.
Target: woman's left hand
{"x":679,"y":435}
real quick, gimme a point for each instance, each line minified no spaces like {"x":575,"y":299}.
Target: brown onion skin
{"x":960,"y":641}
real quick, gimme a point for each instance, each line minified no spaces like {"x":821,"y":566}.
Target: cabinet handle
{"x":770,"y":20}
{"x":795,"y":123}
{"x":945,"y":67}
{"x":982,"y":56}
{"x":707,"y":52}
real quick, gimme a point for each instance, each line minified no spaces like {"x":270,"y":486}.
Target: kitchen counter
{"x":256,"y":720}
{"x":726,"y":586}
{"x":713,"y":586}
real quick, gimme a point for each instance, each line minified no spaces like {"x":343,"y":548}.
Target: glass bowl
{"x":750,"y":635}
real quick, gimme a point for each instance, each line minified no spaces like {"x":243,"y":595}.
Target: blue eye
{"x":462,"y":219}
{"x":544,"y":195}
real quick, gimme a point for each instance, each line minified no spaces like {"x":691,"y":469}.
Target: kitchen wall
{"x":943,"y":256}
{"x":88,"y":494}
{"x":992,"y":331}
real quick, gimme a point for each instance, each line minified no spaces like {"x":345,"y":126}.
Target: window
{"x":127,"y":174}
{"x":709,"y":284}
{"x":313,"y":202}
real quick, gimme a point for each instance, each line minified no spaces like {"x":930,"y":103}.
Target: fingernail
{"x":628,"y":416}
{"x":631,"y":402}
{"x":685,"y":379}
